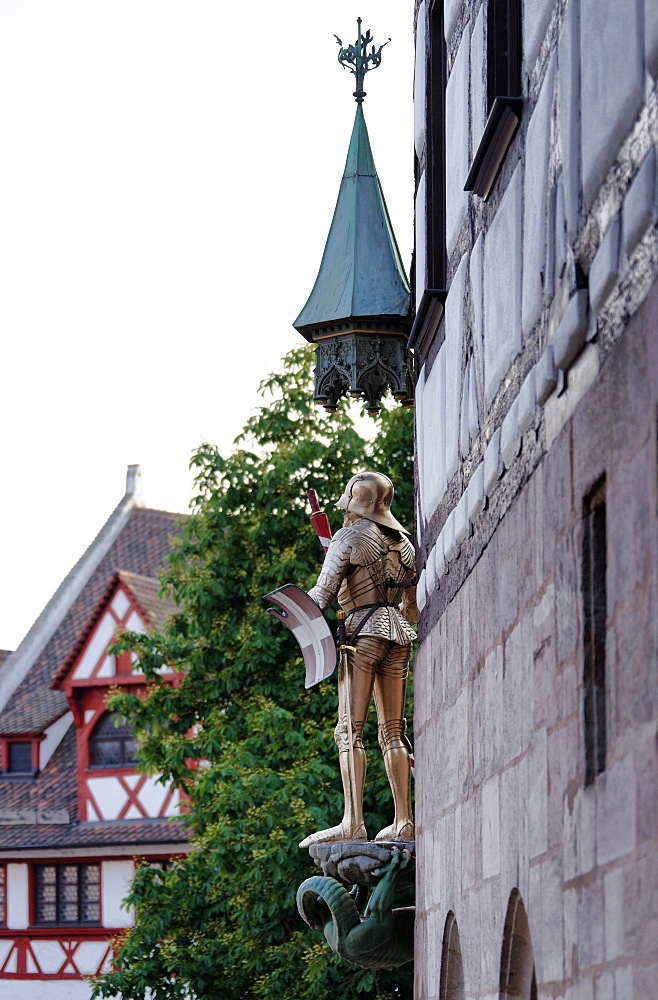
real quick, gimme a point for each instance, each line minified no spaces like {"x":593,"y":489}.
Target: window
{"x":436,"y":161}
{"x":162,"y":866}
{"x":503,"y":50}
{"x":16,"y":756}
{"x":112,"y":745}
{"x":429,"y":308}
{"x":19,"y":758}
{"x":594,"y":629}
{"x":504,"y":91}
{"x":68,"y":894}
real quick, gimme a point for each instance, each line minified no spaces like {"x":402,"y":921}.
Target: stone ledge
{"x":353,"y":862}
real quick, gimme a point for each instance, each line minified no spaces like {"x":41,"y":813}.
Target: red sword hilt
{"x":319,"y":520}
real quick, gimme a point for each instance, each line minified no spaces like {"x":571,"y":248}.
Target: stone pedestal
{"x":352,"y":862}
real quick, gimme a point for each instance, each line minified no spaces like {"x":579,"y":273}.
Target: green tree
{"x":223,"y":923}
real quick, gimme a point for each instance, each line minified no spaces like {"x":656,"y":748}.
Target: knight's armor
{"x":366,"y":566}
{"x":369,"y":568}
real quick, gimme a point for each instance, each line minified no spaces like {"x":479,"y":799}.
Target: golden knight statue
{"x":369,"y":567}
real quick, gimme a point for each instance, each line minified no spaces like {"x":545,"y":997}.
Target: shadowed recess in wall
{"x":452,"y":969}
{"x":517,"y":966}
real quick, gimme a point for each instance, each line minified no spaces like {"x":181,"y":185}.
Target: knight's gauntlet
{"x":409,"y":609}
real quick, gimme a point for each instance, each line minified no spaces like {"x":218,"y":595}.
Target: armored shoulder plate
{"x":406,"y":550}
{"x":368,"y":543}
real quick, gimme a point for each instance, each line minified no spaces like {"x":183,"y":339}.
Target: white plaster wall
{"x":18,"y":909}
{"x":502,"y":287}
{"x":100,"y":640}
{"x":109,"y":795}
{"x":477,"y":292}
{"x":478,"y":78}
{"x":612,"y":68}
{"x":536,"y":15}
{"x":454,"y":327}
{"x":535,"y":202}
{"x":135,"y":623}
{"x":421,"y":237}
{"x":173,"y":809}
{"x":116,"y":877}
{"x":44,"y":989}
{"x":120,"y":604}
{"x":569,"y":114}
{"x":54,"y":736}
{"x":451,"y":9}
{"x":431,"y":471}
{"x":152,"y":796}
{"x":457,"y":151}
{"x":419,"y":395}
{"x":420,"y":80}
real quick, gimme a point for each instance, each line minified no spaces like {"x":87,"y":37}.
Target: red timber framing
{"x":61,"y":951}
{"x":51,"y":954}
{"x":113,"y":792}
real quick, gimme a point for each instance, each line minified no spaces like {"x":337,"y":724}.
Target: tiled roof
{"x":4,"y":653}
{"x":141,"y":548}
{"x":145,"y":590}
{"x":119,"y":831}
{"x":55,"y":790}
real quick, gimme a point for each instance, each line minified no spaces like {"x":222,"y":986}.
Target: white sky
{"x":168,"y":174}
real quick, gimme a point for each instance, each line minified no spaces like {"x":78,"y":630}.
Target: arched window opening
{"x":517,"y":965}
{"x":112,"y":745}
{"x":452,"y":969}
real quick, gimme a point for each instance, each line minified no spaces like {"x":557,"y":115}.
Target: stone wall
{"x":544,"y":274}
{"x":540,"y":379}
{"x":501,"y":798}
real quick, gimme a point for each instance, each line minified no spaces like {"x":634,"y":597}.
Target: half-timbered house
{"x":75,"y":813}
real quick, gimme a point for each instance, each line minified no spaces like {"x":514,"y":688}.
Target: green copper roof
{"x":361,"y":274}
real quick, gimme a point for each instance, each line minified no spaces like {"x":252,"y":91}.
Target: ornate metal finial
{"x":358,"y":60}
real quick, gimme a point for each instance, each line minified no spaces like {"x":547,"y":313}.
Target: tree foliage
{"x":223,"y":921}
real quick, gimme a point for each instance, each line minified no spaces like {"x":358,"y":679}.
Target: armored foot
{"x":334,"y":833}
{"x":397,"y":831}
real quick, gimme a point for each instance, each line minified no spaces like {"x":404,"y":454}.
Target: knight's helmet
{"x":370,"y":494}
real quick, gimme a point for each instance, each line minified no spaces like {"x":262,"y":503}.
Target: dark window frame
{"x":594,"y":564}
{"x":24,"y":746}
{"x":6,"y":770}
{"x":3,"y":895}
{"x":430,"y":307}
{"x":103,"y":735}
{"x":504,"y":93}
{"x":437,"y":261}
{"x":82,"y":884}
{"x":504,"y":50}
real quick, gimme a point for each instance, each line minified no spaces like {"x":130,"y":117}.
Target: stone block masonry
{"x":499,"y":717}
{"x":536,"y":674}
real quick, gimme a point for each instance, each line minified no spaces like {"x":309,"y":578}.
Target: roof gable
{"x":130,"y":603}
{"x":140,"y":547}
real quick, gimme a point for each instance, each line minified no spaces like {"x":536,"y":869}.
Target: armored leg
{"x":390,"y":685}
{"x":358,"y":679}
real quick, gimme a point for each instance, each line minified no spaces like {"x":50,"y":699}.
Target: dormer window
{"x":112,"y":745}
{"x":20,"y":758}
{"x":19,"y":755}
